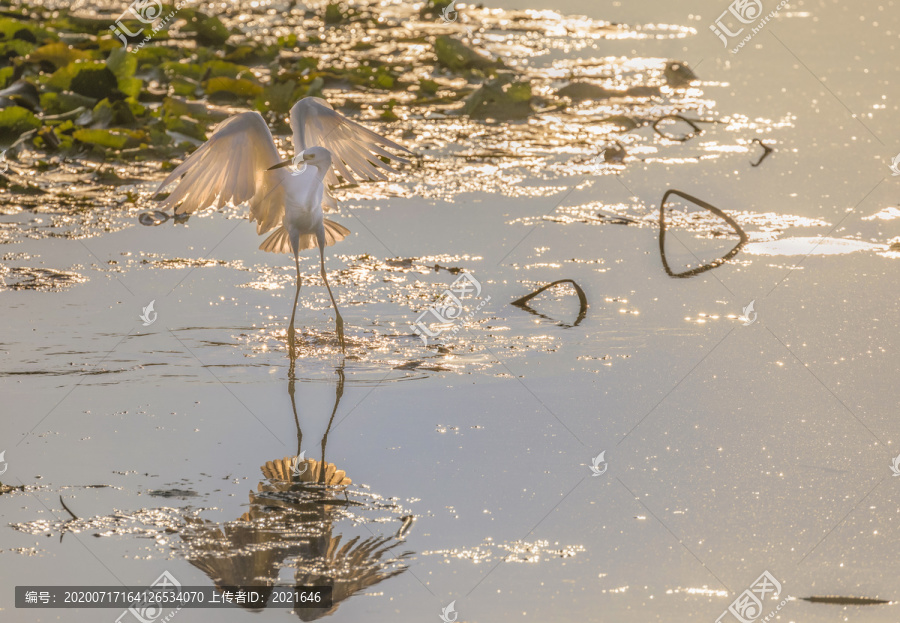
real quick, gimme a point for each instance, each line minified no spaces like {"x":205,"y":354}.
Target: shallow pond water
{"x":744,"y":406}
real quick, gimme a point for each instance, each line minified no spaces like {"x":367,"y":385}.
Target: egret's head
{"x":318,"y":157}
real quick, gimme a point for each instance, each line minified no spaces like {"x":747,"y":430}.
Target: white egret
{"x":240,"y":163}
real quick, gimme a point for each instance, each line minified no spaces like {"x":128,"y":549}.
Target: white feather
{"x":235,"y":166}
{"x":354,"y":147}
{"x":231,"y":167}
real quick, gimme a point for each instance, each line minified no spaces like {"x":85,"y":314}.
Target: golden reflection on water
{"x":540,"y":156}
{"x":299,"y":519}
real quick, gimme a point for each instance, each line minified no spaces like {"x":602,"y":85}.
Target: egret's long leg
{"x":338,"y":394}
{"x":291,"y":389}
{"x":338,"y":320}
{"x":291,"y":334}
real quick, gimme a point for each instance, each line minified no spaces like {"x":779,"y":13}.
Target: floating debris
{"x":766,"y":151}
{"x":679,"y":75}
{"x":501,"y":98}
{"x":846,"y":601}
{"x":703,"y":204}
{"x":408,"y":521}
{"x":153,"y":218}
{"x":582,"y":300}
{"x":173,"y":493}
{"x":68,"y":510}
{"x":38,"y":279}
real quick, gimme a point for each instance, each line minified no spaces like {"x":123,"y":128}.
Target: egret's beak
{"x":288,"y":163}
{"x":280,"y":165}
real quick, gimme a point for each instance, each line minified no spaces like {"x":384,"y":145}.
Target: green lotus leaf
{"x":123,"y":64}
{"x":57,"y":54}
{"x":187,"y":126}
{"x":114,"y":138}
{"x":15,"y":47}
{"x":13,"y":29}
{"x":241,"y":88}
{"x":457,"y":56}
{"x":106,"y":114}
{"x":6,"y":76}
{"x":155,"y":55}
{"x":210,"y":30}
{"x":278,"y":98}
{"x":14,"y":120}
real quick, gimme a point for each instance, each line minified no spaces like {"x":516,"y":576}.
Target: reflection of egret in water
{"x":705,"y":267}
{"x":290,"y":524}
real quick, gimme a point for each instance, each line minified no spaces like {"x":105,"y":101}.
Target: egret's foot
{"x":339,"y":324}
{"x":292,"y":339}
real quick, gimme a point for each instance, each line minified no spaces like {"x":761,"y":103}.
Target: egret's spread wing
{"x":356,"y":149}
{"x":232,"y":166}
